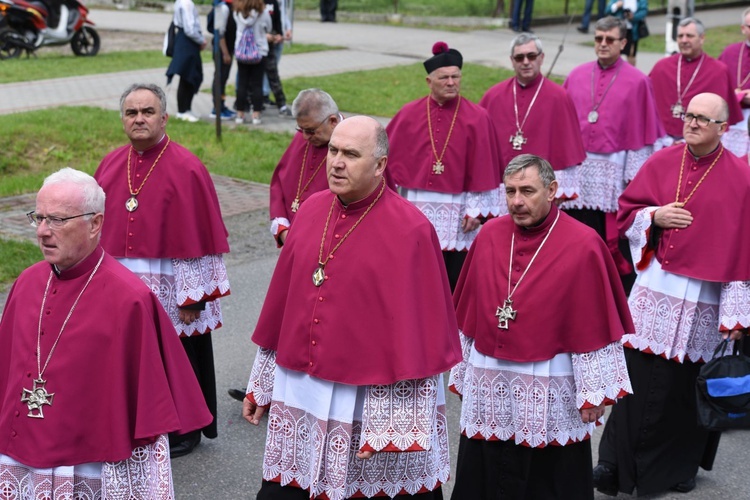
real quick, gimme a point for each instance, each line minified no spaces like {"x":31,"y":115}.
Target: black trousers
{"x":652,"y":437}
{"x":328,"y":10}
{"x":454,"y":261}
{"x":250,"y":82}
{"x":503,"y":470}
{"x":274,"y":491}
{"x":200,"y":352}
{"x":185,"y":93}
{"x":274,"y":81}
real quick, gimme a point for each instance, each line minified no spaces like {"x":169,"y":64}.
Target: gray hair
{"x":611,"y":22}
{"x":381,"y":143}
{"x":151,"y":87}
{"x":523,"y":39}
{"x":692,"y":20}
{"x":92,"y":194}
{"x":521,"y":162}
{"x":314,"y":102}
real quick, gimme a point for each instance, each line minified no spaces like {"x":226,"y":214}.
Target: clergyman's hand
{"x":365,"y":455}
{"x":252,"y":412}
{"x":733,"y":334}
{"x":672,"y":216}
{"x":591,"y":415}
{"x":187,"y":316}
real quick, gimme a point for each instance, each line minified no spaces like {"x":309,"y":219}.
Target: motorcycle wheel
{"x":85,"y":42}
{"x":9,"y":47}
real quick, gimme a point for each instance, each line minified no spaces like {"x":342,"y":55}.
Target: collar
{"x":612,"y":66}
{"x":705,"y":159}
{"x":83,"y":267}
{"x":447,"y":104}
{"x":532,"y":84}
{"x":542,"y":227}
{"x":362,"y":204}
{"x":153,"y":148}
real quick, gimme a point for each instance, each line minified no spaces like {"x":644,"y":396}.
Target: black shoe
{"x":583,"y":30}
{"x":605,"y":480}
{"x":684,"y":486}
{"x":185,"y":446}
{"x":238,"y":394}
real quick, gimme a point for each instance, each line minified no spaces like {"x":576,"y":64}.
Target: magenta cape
{"x":571,"y":299}
{"x":731,"y":57}
{"x":119,"y":374}
{"x":471,"y":159}
{"x":551,"y":130}
{"x":383,"y":314}
{"x":178,"y":213}
{"x":713,"y":77}
{"x":286,"y":176}
{"x":627,"y":115}
{"x":712,"y":247}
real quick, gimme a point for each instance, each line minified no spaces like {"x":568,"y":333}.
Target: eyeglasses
{"x":609,"y":40}
{"x":53,"y":222}
{"x":703,"y":121}
{"x":531,"y":56}
{"x":311,"y":131}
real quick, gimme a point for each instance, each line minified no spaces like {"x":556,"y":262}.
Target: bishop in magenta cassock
{"x":737,"y":58}
{"x":534,"y":115}
{"x":354,"y":335}
{"x":165,"y":225}
{"x":678,"y":78}
{"x":541,"y":313}
{"x":93,"y":376}
{"x":444,"y":158}
{"x":301,"y":171}
{"x":681,"y":214}
{"x":620,"y":129}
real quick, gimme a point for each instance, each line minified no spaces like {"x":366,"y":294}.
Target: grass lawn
{"x":716,"y":40}
{"x":15,"y":256}
{"x":50,"y":64}
{"x":447,"y":8}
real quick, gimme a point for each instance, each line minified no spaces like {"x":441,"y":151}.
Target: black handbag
{"x":169,"y":37}
{"x":723,"y":390}
{"x":643,"y":31}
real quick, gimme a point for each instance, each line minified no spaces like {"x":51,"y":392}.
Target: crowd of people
{"x":596,"y":282}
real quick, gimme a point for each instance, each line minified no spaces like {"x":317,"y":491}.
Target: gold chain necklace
{"x":506,"y":312}
{"x":38,"y":396}
{"x":679,"y":181}
{"x":300,"y":188}
{"x":438,"y":167}
{"x":319,"y":275}
{"x":132,"y":204}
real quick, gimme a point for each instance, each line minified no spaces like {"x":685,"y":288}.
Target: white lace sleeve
{"x":458,"y":372}
{"x":734,"y":305}
{"x":200,"y":279}
{"x":146,"y":474}
{"x":638,"y":233}
{"x":601,"y":376}
{"x":400,"y":416}
{"x":260,"y":385}
{"x":568,"y":185}
{"x":634,"y":161}
{"x":483,"y":203}
{"x":277,"y":223}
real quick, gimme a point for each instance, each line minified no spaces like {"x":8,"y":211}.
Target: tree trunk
{"x":499,"y":9}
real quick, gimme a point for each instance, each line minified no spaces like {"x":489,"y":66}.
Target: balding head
{"x":357,"y":156}
{"x":713,"y":111}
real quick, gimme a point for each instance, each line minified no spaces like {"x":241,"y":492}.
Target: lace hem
{"x":635,"y":160}
{"x":146,"y":474}
{"x":458,"y":372}
{"x":637,"y":234}
{"x":315,"y":430}
{"x":199,"y":279}
{"x":734,"y":305}
{"x":260,"y":385}
{"x":159,"y":276}
{"x":675,"y":317}
{"x":446,"y":211}
{"x":601,"y":376}
{"x":568,"y":183}
{"x":533,"y":404}
{"x":736,"y":140}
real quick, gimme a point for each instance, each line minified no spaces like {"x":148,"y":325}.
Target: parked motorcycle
{"x":30,"y":24}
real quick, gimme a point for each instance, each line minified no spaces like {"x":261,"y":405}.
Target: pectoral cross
{"x":295,"y":205}
{"x":438,"y":167}
{"x":131,"y":204}
{"x":518,"y":140}
{"x":505,"y":313}
{"x":677,"y":110}
{"x":36,"y":398}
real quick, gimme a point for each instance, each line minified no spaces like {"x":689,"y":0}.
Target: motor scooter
{"x":26,"y":25}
